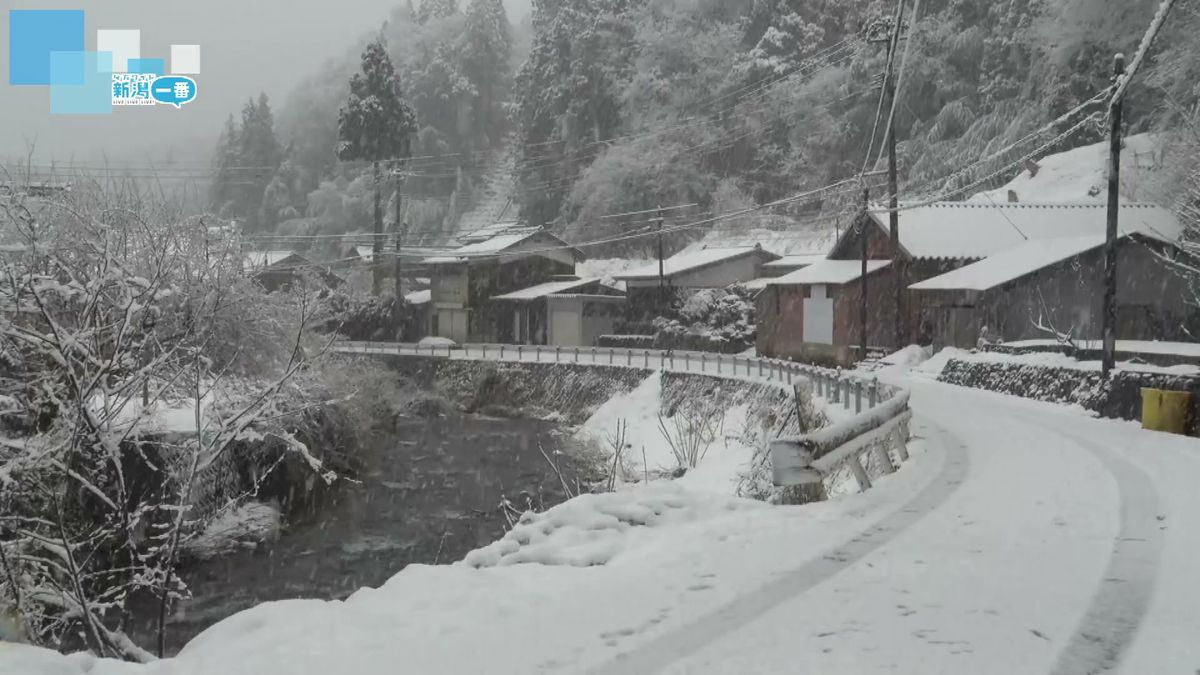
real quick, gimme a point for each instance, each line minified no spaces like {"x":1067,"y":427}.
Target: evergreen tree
{"x":436,"y":9}
{"x":375,"y":125}
{"x":222,"y":192}
{"x":258,"y":155}
{"x":485,"y":54}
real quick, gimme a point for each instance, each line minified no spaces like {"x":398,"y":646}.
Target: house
{"x":1050,"y":288}
{"x":277,"y":270}
{"x":934,"y":240}
{"x":813,"y":314}
{"x":566,"y":311}
{"x":465,"y":280}
{"x":688,"y":271}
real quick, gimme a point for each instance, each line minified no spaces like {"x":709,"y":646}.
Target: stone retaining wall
{"x":1119,"y":397}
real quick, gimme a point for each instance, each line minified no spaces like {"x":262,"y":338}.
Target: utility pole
{"x":662,"y":279}
{"x":861,"y":226}
{"x":889,"y":84}
{"x":1109,"y":330}
{"x":401,"y":179}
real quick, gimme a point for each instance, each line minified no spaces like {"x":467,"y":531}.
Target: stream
{"x":429,"y":493}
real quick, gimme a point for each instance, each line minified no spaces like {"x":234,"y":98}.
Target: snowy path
{"x":1022,"y":538}
{"x":1046,"y":560}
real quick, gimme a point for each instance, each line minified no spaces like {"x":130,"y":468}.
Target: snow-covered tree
{"x":436,"y":9}
{"x":121,"y":333}
{"x":375,"y":125}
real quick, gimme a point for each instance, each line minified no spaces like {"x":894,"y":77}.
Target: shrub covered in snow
{"x":722,"y":318}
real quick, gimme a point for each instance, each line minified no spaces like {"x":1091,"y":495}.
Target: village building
{"x":936,"y":240}
{"x":812,"y":314}
{"x":278,"y":270}
{"x":465,"y":281}
{"x":690,"y":271}
{"x":565,"y":311}
{"x":1050,"y":289}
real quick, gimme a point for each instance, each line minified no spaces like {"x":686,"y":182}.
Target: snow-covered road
{"x":1047,"y":558}
{"x":1022,"y":538}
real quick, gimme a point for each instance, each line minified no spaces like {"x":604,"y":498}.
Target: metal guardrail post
{"x":881,"y":453}
{"x":790,"y":372}
{"x":557,"y":353}
{"x":629,"y":357}
{"x":858,"y":392}
{"x":846,"y":398}
{"x":718,"y":364}
{"x":520,"y":348}
{"x":760,"y":372}
{"x":873,"y":392}
{"x":703,"y":358}
{"x":860,"y":474}
{"x":577,"y":355}
{"x":502,"y":352}
{"x":646,"y":363}
{"x":671,"y":357}
{"x":612,"y":353}
{"x":898,"y":441}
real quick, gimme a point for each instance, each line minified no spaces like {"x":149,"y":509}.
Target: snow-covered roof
{"x":829,"y":272}
{"x":1012,"y":263}
{"x":759,"y":284}
{"x":419,"y":297}
{"x":367,"y":253}
{"x":1081,"y":174}
{"x":977,"y":230}
{"x":260,"y":259}
{"x":489,"y":231}
{"x":549,"y":288}
{"x":691,"y":260}
{"x":490,"y":246}
{"x":793,"y":262}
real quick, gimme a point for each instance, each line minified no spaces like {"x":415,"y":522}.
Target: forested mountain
{"x":454,"y":61}
{"x":625,"y":105}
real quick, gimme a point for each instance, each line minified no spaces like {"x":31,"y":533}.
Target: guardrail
{"x":802,"y":463}
{"x":880,"y":411}
{"x":836,"y":386}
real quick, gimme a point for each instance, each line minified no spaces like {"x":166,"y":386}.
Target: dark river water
{"x":429,"y":493}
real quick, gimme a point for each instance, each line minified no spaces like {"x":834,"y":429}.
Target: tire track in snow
{"x":1123,"y":599}
{"x":662,"y":651}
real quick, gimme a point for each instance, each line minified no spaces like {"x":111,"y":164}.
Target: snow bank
{"x":593,"y":529}
{"x":934,"y":366}
{"x":648,"y":452}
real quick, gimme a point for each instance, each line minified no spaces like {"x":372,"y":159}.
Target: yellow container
{"x":1165,"y":410}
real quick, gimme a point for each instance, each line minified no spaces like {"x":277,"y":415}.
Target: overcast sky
{"x":246,"y":46}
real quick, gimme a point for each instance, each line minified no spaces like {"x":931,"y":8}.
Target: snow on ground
{"x":1057,"y":360}
{"x":437,"y":341}
{"x":1081,"y":174}
{"x":592,"y":529}
{"x":1188,"y":349}
{"x":1022,"y":537}
{"x":648,"y":449}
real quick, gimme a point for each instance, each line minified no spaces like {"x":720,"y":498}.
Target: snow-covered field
{"x":1022,"y":538}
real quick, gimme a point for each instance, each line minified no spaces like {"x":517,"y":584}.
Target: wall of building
{"x":1067,"y":298}
{"x":780,"y":311}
